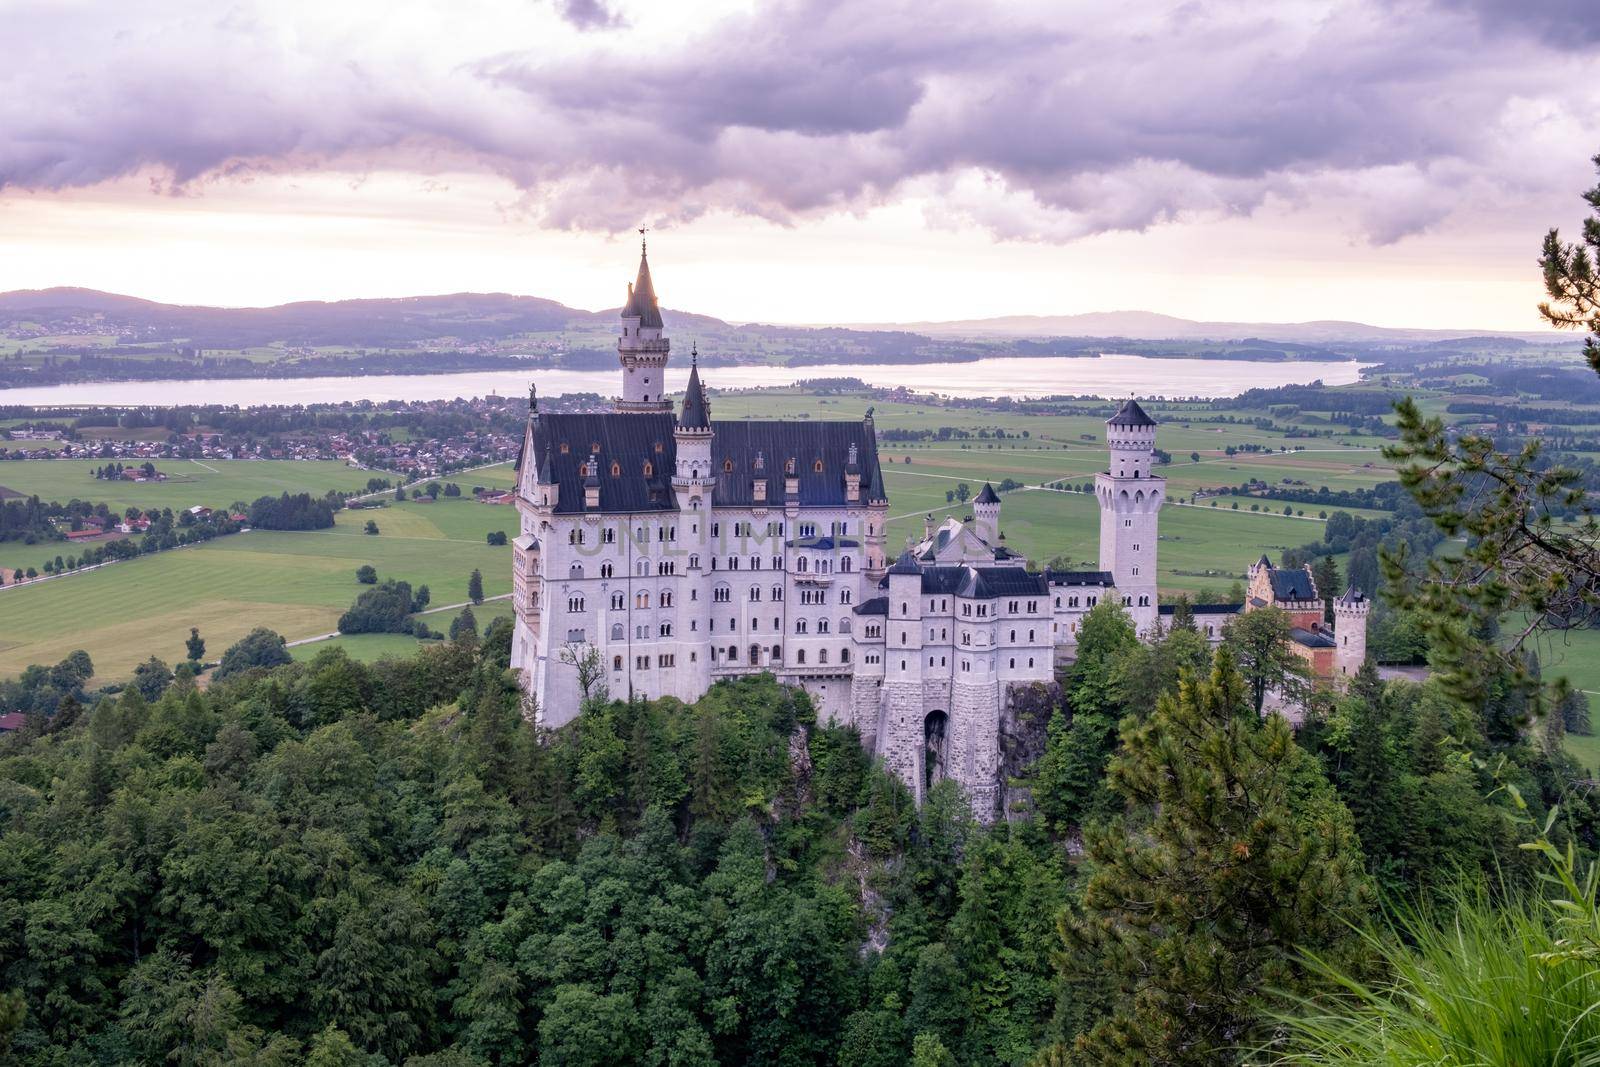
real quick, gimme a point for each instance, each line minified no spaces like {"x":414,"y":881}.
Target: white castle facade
{"x":660,"y":551}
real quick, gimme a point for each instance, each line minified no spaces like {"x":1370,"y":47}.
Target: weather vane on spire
{"x":642,"y":230}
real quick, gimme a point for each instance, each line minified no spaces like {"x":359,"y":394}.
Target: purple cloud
{"x":1046,"y":124}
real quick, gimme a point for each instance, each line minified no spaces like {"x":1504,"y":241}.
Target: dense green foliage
{"x":300,"y":511}
{"x":341,"y":863}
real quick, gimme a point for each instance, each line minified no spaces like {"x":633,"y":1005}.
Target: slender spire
{"x":533,"y":399}
{"x":641,"y":303}
{"x":696,"y":411}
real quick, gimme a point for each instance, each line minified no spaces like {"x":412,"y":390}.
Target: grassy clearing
{"x":295,"y":583}
{"x":214,"y":483}
{"x":369,"y":648}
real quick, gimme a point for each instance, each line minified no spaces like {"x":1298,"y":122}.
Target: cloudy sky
{"x":1394,"y":161}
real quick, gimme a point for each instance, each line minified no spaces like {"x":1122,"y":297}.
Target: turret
{"x":642,"y":349}
{"x":1130,"y":499}
{"x":693,"y":482}
{"x":986,"y":510}
{"x":1350,"y":632}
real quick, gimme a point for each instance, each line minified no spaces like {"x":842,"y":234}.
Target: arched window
{"x":616,"y":663}
{"x":844,"y":655}
{"x":844,"y":565}
{"x":844,"y":625}
{"x":777,"y":653}
{"x":649,"y":468}
{"x":616,"y":631}
{"x":817,"y":466}
{"x":727,"y":466}
{"x":800,"y":657}
{"x":616,"y":601}
{"x":822,"y":655}
{"x":577,"y":570}
{"x":616,"y":469}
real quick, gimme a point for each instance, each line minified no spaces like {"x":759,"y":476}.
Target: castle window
{"x":665,"y":599}
{"x":799,"y":626}
{"x":1030,"y":661}
{"x":666,"y":629}
{"x":817,"y":466}
{"x":616,"y":601}
{"x":694,"y":561}
{"x":574,"y":604}
{"x":822,"y":626}
{"x":727,"y":466}
{"x":607,"y":570}
{"x":577,"y":571}
{"x":844,"y":564}
{"x":844,"y":655}
{"x":822,"y":655}
{"x":777,"y":653}
{"x":800,"y":657}
{"x":565,"y":448}
{"x":610,"y":535}
{"x":616,"y":631}
{"x":658,"y":443}
{"x":616,"y":663}
{"x":1013,"y":662}
{"x":733,"y":653}
{"x":649,"y":469}
{"x":777,"y":592}
{"x":616,"y":469}
{"x":755,"y":592}
{"x":668,"y":660}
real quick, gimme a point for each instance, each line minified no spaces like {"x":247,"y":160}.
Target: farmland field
{"x":214,"y":483}
{"x":295,"y":583}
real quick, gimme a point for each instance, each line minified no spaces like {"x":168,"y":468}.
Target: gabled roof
{"x":1312,"y":638}
{"x":634,"y":439}
{"x":905,"y":564}
{"x":1080,"y":578}
{"x":878,"y":605}
{"x":1204,"y":609}
{"x":1351,"y":597}
{"x":1293,"y":584}
{"x":1130,"y":414}
{"x":641,"y":303}
{"x":987,"y":495}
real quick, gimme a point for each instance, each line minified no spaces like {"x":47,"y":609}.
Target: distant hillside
{"x":384,"y":323}
{"x":1151,"y":326}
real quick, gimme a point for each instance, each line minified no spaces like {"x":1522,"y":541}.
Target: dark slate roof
{"x":978,"y":583}
{"x":905,"y":564}
{"x":1311,"y":638}
{"x":878,"y":605}
{"x":803,"y":441}
{"x":1293,"y":584}
{"x":987,"y":495}
{"x":1205,"y":609}
{"x":985,"y":582}
{"x":824,"y":543}
{"x":1080,"y":577}
{"x":642,"y":298}
{"x":1350,"y":597}
{"x":630,"y":439}
{"x":1130,"y":414}
{"x":696,"y":412}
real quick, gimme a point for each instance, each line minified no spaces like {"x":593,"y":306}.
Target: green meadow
{"x":295,"y":583}
{"x":214,"y":483}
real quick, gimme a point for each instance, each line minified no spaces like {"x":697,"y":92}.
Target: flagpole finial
{"x":642,"y":248}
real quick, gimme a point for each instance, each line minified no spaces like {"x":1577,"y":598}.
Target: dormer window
{"x":817,"y":466}
{"x":727,"y":466}
{"x":565,"y":448}
{"x":649,"y":469}
{"x":658,"y":448}
{"x":594,"y":448}
{"x":616,"y":469}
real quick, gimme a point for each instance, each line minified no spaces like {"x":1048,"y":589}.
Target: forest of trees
{"x":332,"y":862}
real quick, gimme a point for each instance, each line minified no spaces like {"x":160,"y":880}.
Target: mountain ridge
{"x":406,"y":319}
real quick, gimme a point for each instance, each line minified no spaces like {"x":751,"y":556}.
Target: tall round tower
{"x":693,"y":481}
{"x":642,"y":349}
{"x":1130,"y":498}
{"x":986,"y":512}
{"x":1350,"y":632}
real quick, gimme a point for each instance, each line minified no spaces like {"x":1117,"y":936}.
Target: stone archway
{"x":935,"y":749}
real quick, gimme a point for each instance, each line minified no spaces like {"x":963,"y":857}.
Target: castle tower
{"x":902,"y":722}
{"x":986,"y":510}
{"x":642,"y":350}
{"x":1130,"y":498}
{"x":1350,"y":632}
{"x":693,"y":481}
{"x":875,"y":526}
{"x":535,"y":496}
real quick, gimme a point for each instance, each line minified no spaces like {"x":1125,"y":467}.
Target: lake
{"x":1107,"y":375}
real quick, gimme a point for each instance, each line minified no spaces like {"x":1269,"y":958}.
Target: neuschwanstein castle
{"x":661,"y":550}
